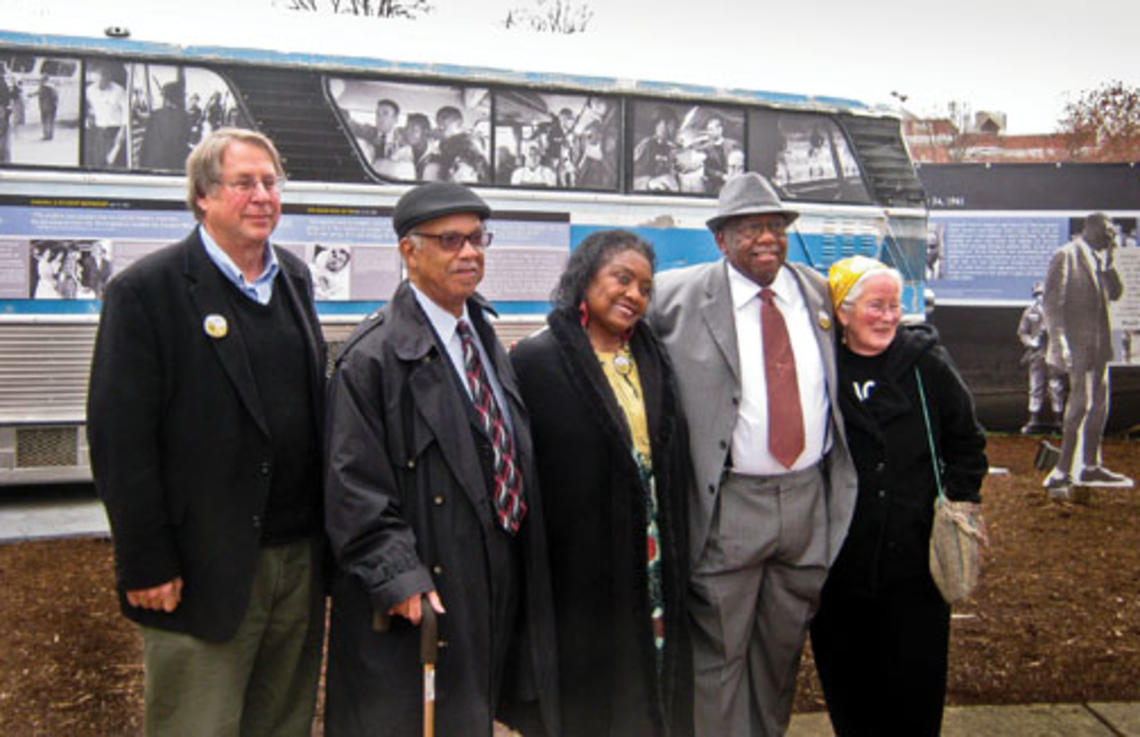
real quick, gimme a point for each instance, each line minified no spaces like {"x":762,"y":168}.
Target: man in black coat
{"x":203,"y":420}
{"x":431,"y":500}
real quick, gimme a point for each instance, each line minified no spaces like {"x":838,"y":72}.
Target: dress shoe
{"x":1101,"y":476}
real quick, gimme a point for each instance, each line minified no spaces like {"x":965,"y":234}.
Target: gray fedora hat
{"x":748,"y":194}
{"x":434,"y":200}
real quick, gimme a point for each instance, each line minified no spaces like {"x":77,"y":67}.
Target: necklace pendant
{"x":622,"y":364}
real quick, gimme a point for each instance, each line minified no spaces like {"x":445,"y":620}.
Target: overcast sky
{"x":1025,"y":59}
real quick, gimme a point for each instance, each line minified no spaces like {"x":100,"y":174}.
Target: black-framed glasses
{"x":452,"y":241}
{"x":246,"y":186}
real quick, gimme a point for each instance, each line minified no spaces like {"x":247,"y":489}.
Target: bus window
{"x":60,"y":67}
{"x":172,"y":108}
{"x":805,"y":155}
{"x":556,"y":140}
{"x":416,"y":132}
{"x":43,"y":103}
{"x":682,"y":147}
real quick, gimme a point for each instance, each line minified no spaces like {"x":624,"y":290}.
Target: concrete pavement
{"x":31,"y":513}
{"x":1121,"y":719}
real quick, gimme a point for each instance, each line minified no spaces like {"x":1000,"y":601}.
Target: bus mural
{"x":557,"y":157}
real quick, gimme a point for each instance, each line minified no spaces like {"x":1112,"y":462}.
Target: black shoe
{"x":1101,"y":476}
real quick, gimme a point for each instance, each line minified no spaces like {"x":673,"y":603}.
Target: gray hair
{"x":860,"y":285}
{"x":204,"y":164}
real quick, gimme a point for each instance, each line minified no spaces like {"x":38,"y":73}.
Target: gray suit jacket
{"x":692,"y":312}
{"x":1076,"y":309}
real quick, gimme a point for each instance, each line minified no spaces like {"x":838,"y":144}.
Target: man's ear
{"x":719,"y":237}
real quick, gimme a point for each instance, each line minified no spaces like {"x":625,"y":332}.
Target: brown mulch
{"x":1056,"y":617}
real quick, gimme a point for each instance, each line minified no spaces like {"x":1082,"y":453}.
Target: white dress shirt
{"x":444,"y":323}
{"x":750,"y":452}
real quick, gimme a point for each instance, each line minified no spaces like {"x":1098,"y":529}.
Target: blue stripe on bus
{"x":678,"y":247}
{"x":49,"y":307}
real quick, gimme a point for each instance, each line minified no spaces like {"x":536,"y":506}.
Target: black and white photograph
{"x":935,"y":267}
{"x":39,"y":110}
{"x":415,"y":132}
{"x":68,"y":269}
{"x":556,"y":140}
{"x":172,"y":108}
{"x":331,"y":268}
{"x":805,"y":155}
{"x":686,"y":148}
{"x":106,"y":115}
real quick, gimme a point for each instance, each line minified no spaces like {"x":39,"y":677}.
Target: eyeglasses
{"x":248,"y":185}
{"x":753,"y":230}
{"x":452,"y":241}
{"x":876,"y":307}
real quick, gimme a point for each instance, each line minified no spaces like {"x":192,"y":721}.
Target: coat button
{"x":438,"y":501}
{"x":256,"y":522}
{"x":736,"y":401}
{"x":264,"y":468}
{"x":712,"y":488}
{"x":411,"y":463}
{"x":442,"y":643}
{"x":880,"y":467}
{"x":882,"y":493}
{"x":723,"y":445}
{"x":437,"y":570}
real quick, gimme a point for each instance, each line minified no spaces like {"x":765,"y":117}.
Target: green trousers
{"x":261,"y":682}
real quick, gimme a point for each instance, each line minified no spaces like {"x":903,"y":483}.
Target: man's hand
{"x":164,"y":597}
{"x":409,"y":608}
{"x":1066,"y":355}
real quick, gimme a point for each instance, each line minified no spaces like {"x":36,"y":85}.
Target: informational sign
{"x":990,"y":258}
{"x":57,"y":254}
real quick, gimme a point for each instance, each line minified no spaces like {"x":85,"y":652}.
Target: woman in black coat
{"x":612,"y":454}
{"x":881,"y":634}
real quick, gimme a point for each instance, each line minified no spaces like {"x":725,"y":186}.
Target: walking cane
{"x":429,"y":651}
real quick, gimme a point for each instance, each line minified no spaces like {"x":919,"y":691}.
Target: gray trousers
{"x":263,"y":681}
{"x":1085,"y":417}
{"x":1044,"y":377}
{"x":752,"y":595}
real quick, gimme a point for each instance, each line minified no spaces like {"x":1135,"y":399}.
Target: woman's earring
{"x":583,"y":314}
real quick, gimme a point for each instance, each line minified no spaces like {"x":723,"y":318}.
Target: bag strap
{"x":930,"y":436}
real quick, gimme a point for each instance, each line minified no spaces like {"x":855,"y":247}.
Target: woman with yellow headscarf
{"x":881,"y":635}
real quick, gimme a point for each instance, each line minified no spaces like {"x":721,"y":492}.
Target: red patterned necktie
{"x":509,"y":505}
{"x":785,"y":416}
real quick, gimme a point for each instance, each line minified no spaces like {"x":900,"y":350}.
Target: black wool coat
{"x":888,"y":541}
{"x":180,"y":449}
{"x":595,"y":522}
{"x":407,"y":511}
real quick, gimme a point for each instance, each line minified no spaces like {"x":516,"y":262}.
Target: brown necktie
{"x":785,"y":417}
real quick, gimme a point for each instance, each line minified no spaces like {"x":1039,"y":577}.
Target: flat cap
{"x":748,"y":194}
{"x":433,"y":200}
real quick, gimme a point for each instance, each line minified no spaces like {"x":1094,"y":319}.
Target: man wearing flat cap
{"x":751,"y":338}
{"x":431,"y":499}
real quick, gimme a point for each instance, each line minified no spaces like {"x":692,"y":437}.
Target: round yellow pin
{"x":216,"y":326}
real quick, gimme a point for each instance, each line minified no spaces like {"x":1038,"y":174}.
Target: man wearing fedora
{"x":431,"y":499}
{"x":751,"y":338}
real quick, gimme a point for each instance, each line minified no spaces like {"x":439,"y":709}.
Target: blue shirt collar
{"x":260,"y":289}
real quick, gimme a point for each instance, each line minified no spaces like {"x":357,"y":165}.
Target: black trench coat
{"x":407,"y":511}
{"x":595,"y":521}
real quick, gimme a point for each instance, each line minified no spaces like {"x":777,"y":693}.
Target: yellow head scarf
{"x":845,"y":273}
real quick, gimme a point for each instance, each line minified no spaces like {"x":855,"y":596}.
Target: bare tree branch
{"x":364,"y":8}
{"x":551,"y":16}
{"x":1103,"y":124}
